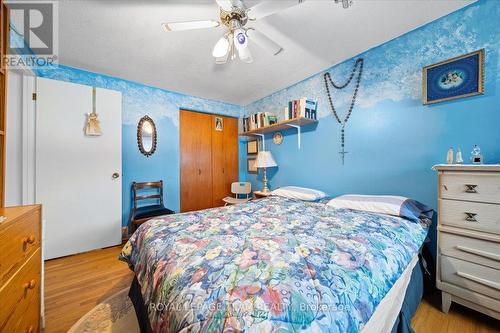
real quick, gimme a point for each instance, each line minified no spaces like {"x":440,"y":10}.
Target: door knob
{"x":115,"y":175}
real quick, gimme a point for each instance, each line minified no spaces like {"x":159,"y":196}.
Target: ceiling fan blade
{"x":227,"y":5}
{"x":266,"y":8}
{"x":190,"y":25}
{"x":263,"y":41}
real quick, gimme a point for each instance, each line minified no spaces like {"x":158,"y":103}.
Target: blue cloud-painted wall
{"x":161,"y":105}
{"x":392,"y":139}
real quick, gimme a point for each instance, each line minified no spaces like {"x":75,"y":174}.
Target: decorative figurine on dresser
{"x":468,"y":258}
{"x":20,"y":269}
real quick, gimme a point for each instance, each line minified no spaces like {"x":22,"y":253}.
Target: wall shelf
{"x":296,"y":123}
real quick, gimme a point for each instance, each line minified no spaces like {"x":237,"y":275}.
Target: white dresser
{"x":468,"y":258}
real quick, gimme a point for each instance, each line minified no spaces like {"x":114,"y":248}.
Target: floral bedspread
{"x":269,"y":265}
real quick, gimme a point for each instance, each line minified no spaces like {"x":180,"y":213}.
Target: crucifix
{"x":343,"y":152}
{"x":343,"y":122}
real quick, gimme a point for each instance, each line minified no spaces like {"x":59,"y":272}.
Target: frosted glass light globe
{"x":221,"y":48}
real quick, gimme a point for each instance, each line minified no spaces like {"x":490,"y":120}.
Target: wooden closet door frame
{"x":183,"y":182}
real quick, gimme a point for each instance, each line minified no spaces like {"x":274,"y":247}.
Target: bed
{"x":273,"y":265}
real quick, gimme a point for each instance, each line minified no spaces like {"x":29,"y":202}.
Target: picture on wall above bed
{"x":252,"y":165}
{"x":252,"y":147}
{"x":454,"y":78}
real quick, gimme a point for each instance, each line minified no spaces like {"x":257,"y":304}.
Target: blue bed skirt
{"x":412,"y":299}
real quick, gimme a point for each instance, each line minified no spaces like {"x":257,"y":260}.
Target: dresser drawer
{"x":470,"y":186}
{"x":21,"y":293}
{"x":26,"y":317}
{"x":478,"y":278}
{"x":470,"y":215}
{"x":471,"y":249}
{"x":17,"y":243}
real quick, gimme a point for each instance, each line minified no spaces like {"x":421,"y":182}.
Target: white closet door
{"x":74,"y":173}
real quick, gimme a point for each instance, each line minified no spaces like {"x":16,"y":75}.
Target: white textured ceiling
{"x":125,"y":39}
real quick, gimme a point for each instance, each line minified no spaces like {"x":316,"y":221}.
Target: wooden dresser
{"x":20,"y":273}
{"x":468,"y":258}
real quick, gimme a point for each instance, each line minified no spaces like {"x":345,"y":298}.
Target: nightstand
{"x":260,"y":194}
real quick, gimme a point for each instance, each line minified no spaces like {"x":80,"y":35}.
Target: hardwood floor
{"x":460,"y":319}
{"x":75,"y":284}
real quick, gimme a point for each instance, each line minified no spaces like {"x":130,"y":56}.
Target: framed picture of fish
{"x":454,"y":78}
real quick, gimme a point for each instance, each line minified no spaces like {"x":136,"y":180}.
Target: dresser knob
{"x":29,"y":239}
{"x":30,"y":285}
{"x":470,"y":217}
{"x":470,"y":188}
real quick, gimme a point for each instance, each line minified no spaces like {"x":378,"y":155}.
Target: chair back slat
{"x":140,"y":186}
{"x":243,"y":188}
{"x":148,"y":197}
{"x":158,"y":186}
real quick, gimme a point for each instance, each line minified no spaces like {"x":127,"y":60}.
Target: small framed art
{"x":252,"y":165}
{"x":219,"y":125}
{"x":252,"y":147}
{"x":454,"y":78}
{"x":277,"y":138}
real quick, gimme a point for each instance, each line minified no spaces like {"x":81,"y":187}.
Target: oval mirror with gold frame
{"x":146,"y":136}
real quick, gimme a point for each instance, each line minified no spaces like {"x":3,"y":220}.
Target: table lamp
{"x":265,"y":160}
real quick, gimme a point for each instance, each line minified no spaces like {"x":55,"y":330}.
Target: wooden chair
{"x":140,"y":214}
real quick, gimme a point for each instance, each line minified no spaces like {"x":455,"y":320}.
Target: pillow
{"x":385,"y":204}
{"x":301,"y":193}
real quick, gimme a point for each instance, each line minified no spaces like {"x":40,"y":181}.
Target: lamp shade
{"x":265,"y":160}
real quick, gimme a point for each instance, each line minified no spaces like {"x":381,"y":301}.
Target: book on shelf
{"x":296,"y":108}
{"x":258,"y":120}
{"x":246,"y":124}
{"x":301,"y":108}
{"x":272,"y":119}
{"x":285,"y":113}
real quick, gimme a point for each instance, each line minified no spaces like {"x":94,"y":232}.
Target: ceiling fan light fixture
{"x":221,"y":48}
{"x":240,"y":39}
{"x":190,"y":25}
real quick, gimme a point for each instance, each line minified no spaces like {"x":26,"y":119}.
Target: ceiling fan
{"x":235,"y":15}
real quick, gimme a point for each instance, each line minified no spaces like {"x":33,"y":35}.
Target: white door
{"x":76,"y":175}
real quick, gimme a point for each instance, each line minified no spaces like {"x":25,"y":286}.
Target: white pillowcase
{"x":384,"y":204}
{"x":301,"y":193}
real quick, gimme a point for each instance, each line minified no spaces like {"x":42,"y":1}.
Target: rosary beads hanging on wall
{"x":343,"y":122}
